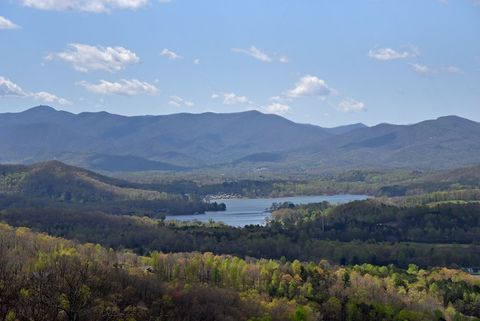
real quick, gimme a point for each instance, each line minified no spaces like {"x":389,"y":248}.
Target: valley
{"x":306,"y":259}
{"x":173,"y":160}
{"x":305,"y":255}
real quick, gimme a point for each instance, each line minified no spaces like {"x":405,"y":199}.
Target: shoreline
{"x":222,"y":197}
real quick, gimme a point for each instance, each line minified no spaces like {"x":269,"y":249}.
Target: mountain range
{"x":104,"y":141}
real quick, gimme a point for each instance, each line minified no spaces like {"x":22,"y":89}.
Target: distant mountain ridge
{"x":146,"y":142}
{"x":446,"y":142}
{"x":112,"y":142}
{"x":345,"y":129}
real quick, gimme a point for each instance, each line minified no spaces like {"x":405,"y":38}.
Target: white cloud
{"x":9,"y":89}
{"x":232,"y":98}
{"x":422,"y":69}
{"x":86,"y":58}
{"x":196,"y":61}
{"x":426,"y":70}
{"x":127,"y":87}
{"x":277,"y":108}
{"x":164,"y":1}
{"x":170,"y":54}
{"x":7,"y":24}
{"x":386,"y":54}
{"x":310,"y":86}
{"x":452,"y":69}
{"x":178,"y":101}
{"x":279,"y":99}
{"x":94,"y":6}
{"x":50,"y":98}
{"x":283,"y":59}
{"x":351,"y":105}
{"x":256,"y":53}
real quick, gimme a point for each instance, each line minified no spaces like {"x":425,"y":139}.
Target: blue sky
{"x":322,"y":62}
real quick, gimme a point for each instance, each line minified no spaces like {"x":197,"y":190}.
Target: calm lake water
{"x":245,"y":211}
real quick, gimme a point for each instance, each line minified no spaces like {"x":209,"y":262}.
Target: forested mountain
{"x":345,"y":129}
{"x":58,"y":181}
{"x":445,"y":142}
{"x":102,"y":140}
{"x":56,"y":185}
{"x":180,"y":141}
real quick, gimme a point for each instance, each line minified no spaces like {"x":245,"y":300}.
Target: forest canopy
{"x":47,"y":278}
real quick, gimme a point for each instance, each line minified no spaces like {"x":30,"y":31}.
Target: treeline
{"x":282,"y":188}
{"x":456,"y":196}
{"x":264,"y":188}
{"x":374,"y":220}
{"x":156,"y":209}
{"x":385,"y":183}
{"x":309,"y":237}
{"x":46,"y":278}
{"x":242,"y":187}
{"x":178,"y":205}
{"x":382,"y":183}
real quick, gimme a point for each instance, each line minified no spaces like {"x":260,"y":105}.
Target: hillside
{"x":96,"y":283}
{"x":445,"y":142}
{"x":57,"y":181}
{"x":56,"y":186}
{"x":108,"y":142}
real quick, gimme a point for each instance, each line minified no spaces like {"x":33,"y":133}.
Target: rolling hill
{"x":54,"y":185}
{"x":60,"y":182}
{"x":103,"y":141}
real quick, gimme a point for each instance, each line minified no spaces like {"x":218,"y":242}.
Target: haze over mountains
{"x":111,"y":142}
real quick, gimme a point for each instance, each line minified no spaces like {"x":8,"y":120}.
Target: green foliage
{"x":46,"y":278}
{"x":374,"y":220}
{"x":54,"y":184}
{"x":354,"y":233}
{"x":300,"y":314}
{"x":461,"y":183}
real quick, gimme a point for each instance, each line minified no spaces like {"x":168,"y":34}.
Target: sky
{"x":324,"y":62}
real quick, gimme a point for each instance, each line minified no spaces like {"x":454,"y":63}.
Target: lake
{"x":245,"y":211}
